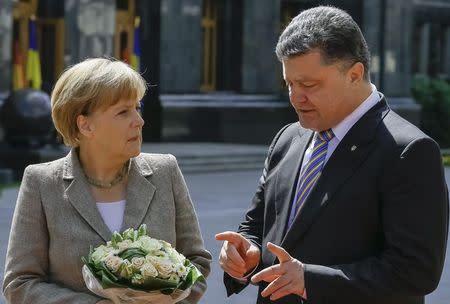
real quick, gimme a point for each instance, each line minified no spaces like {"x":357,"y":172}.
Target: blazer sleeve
{"x":414,"y":206}
{"x":26,"y":271}
{"x":252,"y":227}
{"x":189,"y":239}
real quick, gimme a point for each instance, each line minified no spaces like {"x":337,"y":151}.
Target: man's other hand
{"x":238,"y":255}
{"x":285,"y":278}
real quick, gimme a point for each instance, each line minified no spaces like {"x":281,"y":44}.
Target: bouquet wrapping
{"x":135,"y":268}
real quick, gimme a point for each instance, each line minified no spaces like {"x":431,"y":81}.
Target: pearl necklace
{"x":117,"y":179}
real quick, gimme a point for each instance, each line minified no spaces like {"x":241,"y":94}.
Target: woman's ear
{"x":84,"y":126}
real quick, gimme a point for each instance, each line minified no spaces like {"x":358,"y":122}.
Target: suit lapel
{"x":345,"y":160}
{"x":140,"y":193}
{"x":286,"y":178}
{"x":81,"y":197}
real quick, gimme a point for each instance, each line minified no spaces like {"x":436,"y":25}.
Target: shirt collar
{"x":347,"y":123}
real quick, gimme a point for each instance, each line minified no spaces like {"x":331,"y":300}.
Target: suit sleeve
{"x":189,"y":238}
{"x":26,"y":271}
{"x":414,"y":206}
{"x":252,"y":227}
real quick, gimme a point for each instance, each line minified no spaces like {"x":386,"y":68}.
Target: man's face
{"x":319,"y":93}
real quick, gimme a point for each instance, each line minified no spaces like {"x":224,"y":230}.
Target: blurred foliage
{"x":7,"y":186}
{"x":433,"y":94}
{"x":446,"y":160}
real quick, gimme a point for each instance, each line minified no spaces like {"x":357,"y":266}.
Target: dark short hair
{"x":328,"y":29}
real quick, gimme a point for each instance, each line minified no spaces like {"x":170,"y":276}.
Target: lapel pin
{"x":353,"y":148}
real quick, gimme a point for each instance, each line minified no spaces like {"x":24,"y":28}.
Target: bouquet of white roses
{"x":135,"y":268}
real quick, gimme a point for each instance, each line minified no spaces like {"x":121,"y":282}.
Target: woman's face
{"x":116,"y":131}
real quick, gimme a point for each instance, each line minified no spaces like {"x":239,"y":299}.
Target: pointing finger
{"x":268,"y":275}
{"x":230,"y":236}
{"x":280,"y":253}
{"x":275,"y":286}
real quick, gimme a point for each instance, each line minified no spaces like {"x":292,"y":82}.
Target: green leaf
{"x":158,"y":284}
{"x":128,"y":234}
{"x":142,"y":231}
{"x":130,"y":253}
{"x":193,"y":276}
{"x":116,"y":238}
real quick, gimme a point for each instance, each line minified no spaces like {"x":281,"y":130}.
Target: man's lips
{"x":305,"y":110}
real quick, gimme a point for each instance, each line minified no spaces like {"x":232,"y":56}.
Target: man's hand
{"x":238,"y":255}
{"x":285,"y":278}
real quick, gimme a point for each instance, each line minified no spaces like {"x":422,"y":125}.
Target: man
{"x":352,"y":205}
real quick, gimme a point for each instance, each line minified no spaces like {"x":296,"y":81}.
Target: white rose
{"x":148,"y":270}
{"x":101,"y":253}
{"x":162,"y":264}
{"x":138,"y":261}
{"x":165,"y":268}
{"x":113,"y":263}
{"x":149,"y":244}
{"x":124,"y":245}
{"x":177,"y":258}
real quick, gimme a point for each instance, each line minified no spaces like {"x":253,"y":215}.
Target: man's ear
{"x":356,"y":73}
{"x":84,"y":126}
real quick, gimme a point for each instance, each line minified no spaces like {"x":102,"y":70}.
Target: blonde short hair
{"x":95,"y":83}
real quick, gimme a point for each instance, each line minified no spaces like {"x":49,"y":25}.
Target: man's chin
{"x":306,"y":124}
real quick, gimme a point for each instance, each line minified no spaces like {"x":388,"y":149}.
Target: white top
{"x":112,"y":214}
{"x":342,"y":128}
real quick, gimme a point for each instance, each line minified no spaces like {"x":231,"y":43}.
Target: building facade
{"x":218,"y":76}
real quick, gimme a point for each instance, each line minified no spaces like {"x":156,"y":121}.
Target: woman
{"x":104,"y":184}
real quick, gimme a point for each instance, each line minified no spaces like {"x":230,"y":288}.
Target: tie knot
{"x":326,"y":135}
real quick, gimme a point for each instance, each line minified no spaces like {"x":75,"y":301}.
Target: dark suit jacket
{"x":374,"y":228}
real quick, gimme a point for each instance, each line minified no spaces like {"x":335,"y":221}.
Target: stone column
{"x":6,"y":23}
{"x":397,"y":51}
{"x":181,"y":46}
{"x":260,"y":67}
{"x":446,"y":69}
{"x":90,"y":26}
{"x":371,"y":30}
{"x":424,"y":53}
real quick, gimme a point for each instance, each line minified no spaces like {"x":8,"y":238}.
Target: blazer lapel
{"x":345,"y":160}
{"x":81,"y":197}
{"x":286,"y":178}
{"x":140,"y":192}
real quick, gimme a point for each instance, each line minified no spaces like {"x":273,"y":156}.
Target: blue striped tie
{"x":311,"y":172}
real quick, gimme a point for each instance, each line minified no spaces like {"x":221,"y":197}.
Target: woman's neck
{"x":98,"y":166}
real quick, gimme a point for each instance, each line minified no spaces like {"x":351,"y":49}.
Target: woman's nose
{"x":138,"y":121}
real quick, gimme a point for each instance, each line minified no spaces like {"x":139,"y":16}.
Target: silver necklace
{"x":106,"y":185}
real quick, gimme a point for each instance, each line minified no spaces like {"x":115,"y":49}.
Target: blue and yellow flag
{"x":136,"y":56}
{"x":34,"y":75}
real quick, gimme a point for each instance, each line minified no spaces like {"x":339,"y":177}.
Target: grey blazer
{"x":56,"y":220}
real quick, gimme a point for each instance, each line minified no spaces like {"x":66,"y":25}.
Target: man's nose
{"x":296,"y":95}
